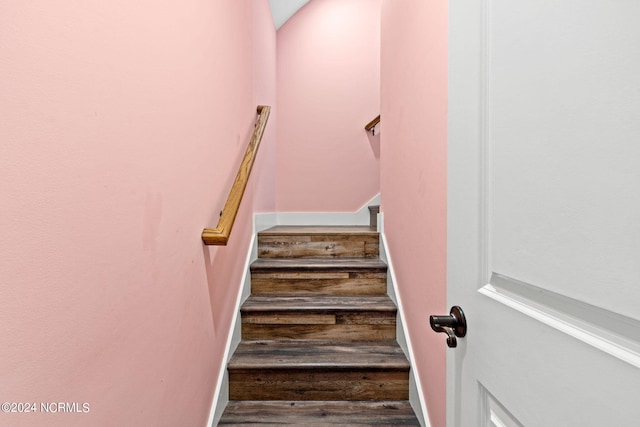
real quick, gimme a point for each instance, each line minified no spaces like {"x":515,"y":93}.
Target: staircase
{"x":318,"y":335}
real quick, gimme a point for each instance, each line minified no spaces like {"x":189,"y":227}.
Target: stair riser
{"x":331,"y":283}
{"x":303,"y":384}
{"x":333,"y":326}
{"x":300,"y":332}
{"x":298,"y":413}
{"x":331,"y":246}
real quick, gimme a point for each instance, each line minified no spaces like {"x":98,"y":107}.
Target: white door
{"x":544,"y":212}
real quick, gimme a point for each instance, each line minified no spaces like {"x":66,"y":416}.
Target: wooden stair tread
{"x":341,"y":355}
{"x":318,"y":334}
{"x":319,"y":413}
{"x":317,"y":264}
{"x":318,"y":303}
{"x":323,"y":230}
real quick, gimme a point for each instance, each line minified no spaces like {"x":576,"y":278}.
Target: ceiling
{"x":282,"y":10}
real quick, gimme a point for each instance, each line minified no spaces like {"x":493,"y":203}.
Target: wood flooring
{"x":318,"y":335}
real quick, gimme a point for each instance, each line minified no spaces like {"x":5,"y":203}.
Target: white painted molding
{"x":221,"y":394}
{"x":360,"y":217}
{"x":492,"y":413}
{"x":612,"y":333}
{"x":262,"y":221}
{"x":416,"y":395}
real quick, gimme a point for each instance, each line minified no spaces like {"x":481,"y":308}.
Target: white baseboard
{"x":360,"y":217}
{"x":262,"y":221}
{"x":416,"y":396}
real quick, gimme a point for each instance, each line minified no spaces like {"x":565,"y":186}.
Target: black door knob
{"x":454,"y":325}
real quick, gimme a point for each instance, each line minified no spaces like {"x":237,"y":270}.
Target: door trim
{"x":608,"y":331}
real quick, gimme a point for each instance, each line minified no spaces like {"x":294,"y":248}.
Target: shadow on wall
{"x":209,"y":255}
{"x":374,"y":141}
{"x":216,"y":259}
{"x":224,"y":267}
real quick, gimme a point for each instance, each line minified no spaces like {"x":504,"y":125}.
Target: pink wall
{"x":264,"y":85}
{"x":328,"y":89}
{"x":413,"y":175}
{"x":122,"y":126}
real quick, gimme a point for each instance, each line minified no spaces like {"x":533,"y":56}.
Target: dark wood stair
{"x":339,"y":317}
{"x":345,"y":276}
{"x":318,"y":335}
{"x":313,"y":242}
{"x":324,"y":370}
{"x":320,"y":414}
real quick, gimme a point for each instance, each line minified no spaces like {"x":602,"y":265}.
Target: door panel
{"x":493,"y":414}
{"x":563,"y":101}
{"x":543,"y":212}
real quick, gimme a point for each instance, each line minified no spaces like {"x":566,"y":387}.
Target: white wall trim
{"x":605,"y":330}
{"x":485,"y":135}
{"x":221,"y":394}
{"x":262,"y":221}
{"x":359,"y":217}
{"x":416,"y":395}
{"x":492,"y":413}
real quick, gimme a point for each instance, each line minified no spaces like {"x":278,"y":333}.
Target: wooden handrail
{"x":372,"y":123}
{"x":220,"y":234}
